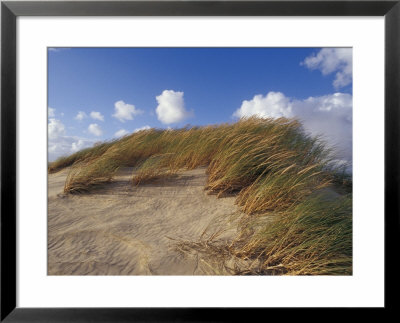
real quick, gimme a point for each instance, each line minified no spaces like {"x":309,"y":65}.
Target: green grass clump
{"x":313,"y":237}
{"x":83,"y":178}
{"x":275,"y":170}
{"x":155,"y":167}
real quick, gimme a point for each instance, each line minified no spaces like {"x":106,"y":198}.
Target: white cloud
{"x":59,"y":144}
{"x":124,"y":111}
{"x":80,"y":116}
{"x":78,"y":145}
{"x":142,"y":128}
{"x":329,"y":60}
{"x":120,"y":133}
{"x":95,"y":129}
{"x":51,"y":112}
{"x":96,"y":115}
{"x":273,"y":105}
{"x":66,"y":145}
{"x":171,"y":107}
{"x":55,"y":128}
{"x":123,"y":132}
{"x":329,"y":116}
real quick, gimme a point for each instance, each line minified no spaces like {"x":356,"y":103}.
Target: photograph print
{"x":199,"y":161}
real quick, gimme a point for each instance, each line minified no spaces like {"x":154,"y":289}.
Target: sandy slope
{"x":124,"y":230}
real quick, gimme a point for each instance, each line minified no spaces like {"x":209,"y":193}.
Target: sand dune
{"x":121,"y":229}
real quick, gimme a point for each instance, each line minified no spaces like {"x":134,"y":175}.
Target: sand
{"x":122,"y":229}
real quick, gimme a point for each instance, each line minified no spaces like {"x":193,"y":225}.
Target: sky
{"x":99,"y":94}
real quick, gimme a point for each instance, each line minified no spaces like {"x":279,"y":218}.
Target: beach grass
{"x":275,"y":170}
{"x":312,"y":237}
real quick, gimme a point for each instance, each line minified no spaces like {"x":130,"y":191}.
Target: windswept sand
{"x":121,"y":229}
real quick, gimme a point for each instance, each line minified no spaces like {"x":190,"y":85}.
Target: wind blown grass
{"x":274,"y":169}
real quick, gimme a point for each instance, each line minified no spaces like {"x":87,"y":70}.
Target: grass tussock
{"x":274,"y":169}
{"x":83,"y":178}
{"x":154,"y":168}
{"x":312,"y":237}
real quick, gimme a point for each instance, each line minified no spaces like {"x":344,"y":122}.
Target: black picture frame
{"x":10,"y":10}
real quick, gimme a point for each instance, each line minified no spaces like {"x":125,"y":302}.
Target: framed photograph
{"x":197,"y":160}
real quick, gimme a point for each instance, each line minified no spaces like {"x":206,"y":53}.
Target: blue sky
{"x":96,"y":94}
